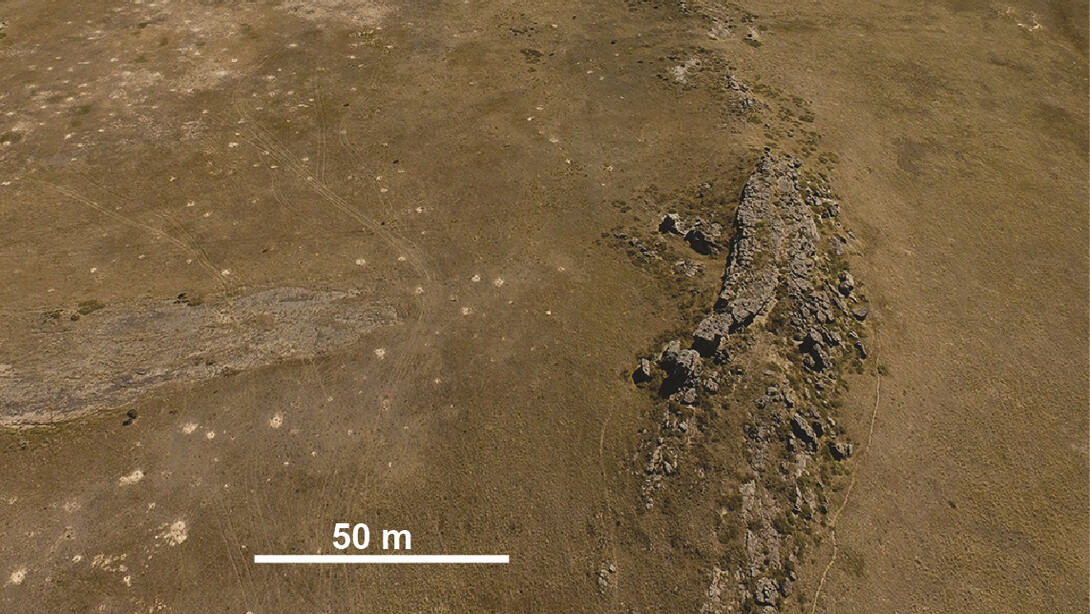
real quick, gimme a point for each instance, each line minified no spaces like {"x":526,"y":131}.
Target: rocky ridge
{"x":787,"y":321}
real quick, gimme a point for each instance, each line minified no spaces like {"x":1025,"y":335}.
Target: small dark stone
{"x":862,"y":349}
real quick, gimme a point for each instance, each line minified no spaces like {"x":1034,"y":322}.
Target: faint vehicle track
{"x":190,"y":246}
{"x":265,"y":141}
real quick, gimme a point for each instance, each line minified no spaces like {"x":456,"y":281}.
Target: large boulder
{"x":681,"y":370}
{"x":840,"y":450}
{"x":847,"y":283}
{"x":673,"y":224}
{"x":704,"y":238}
{"x":802,"y":429}
{"x":710,"y":336}
{"x":765,"y":592}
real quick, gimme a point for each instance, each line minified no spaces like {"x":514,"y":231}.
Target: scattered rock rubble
{"x":638,"y":247}
{"x":740,"y":92}
{"x":687,"y":268}
{"x":703,"y":237}
{"x":605,"y":577}
{"x":787,"y":300}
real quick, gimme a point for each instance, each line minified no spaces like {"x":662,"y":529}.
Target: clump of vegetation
{"x":89,"y":307}
{"x":190,"y":301}
{"x":533,"y":56}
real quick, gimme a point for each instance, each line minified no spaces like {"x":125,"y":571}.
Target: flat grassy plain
{"x":463,"y":168}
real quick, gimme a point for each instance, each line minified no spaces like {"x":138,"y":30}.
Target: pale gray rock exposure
{"x":111,"y":357}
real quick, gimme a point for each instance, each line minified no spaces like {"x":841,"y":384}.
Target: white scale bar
{"x":417,"y":559}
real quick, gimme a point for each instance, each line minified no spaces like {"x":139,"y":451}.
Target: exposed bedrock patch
{"x":773,"y":345}
{"x":775,"y":246}
{"x":117,"y":354}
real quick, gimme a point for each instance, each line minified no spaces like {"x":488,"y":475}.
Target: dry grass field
{"x":274,"y":265}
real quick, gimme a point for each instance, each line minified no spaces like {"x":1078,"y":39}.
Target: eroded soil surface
{"x":75,"y":370}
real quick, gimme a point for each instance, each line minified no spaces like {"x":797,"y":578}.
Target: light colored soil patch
{"x":132,"y":478}
{"x":175,"y":533}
